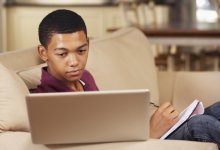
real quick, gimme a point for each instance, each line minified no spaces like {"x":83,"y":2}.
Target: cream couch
{"x":122,"y":60}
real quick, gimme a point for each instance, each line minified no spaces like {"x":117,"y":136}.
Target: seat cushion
{"x":22,"y":141}
{"x":13,"y":114}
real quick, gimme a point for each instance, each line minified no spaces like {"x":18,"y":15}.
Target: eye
{"x":62,"y":54}
{"x":82,"y":51}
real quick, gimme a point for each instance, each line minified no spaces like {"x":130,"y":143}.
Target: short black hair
{"x":60,"y":21}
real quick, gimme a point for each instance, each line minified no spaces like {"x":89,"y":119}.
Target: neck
{"x":76,"y":86}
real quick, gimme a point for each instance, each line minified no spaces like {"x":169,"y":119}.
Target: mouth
{"x":74,"y":72}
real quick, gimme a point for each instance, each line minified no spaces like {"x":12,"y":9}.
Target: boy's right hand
{"x":162,"y":120}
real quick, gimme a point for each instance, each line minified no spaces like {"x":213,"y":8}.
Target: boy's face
{"x":66,"y":55}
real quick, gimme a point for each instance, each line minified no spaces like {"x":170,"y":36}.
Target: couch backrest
{"x":121,"y":60}
{"x":124,"y":60}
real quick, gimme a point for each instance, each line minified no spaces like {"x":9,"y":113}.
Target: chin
{"x":73,"y":79}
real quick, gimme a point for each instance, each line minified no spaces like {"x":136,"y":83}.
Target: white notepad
{"x":195,"y":108}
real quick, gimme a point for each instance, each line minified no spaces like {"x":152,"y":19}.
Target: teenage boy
{"x":65,"y":46}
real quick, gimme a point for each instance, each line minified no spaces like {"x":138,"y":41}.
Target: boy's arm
{"x":162,"y":120}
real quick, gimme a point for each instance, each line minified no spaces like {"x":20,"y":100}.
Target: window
{"x":206,"y":12}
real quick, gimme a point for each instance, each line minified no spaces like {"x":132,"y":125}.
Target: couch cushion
{"x":196,"y":85}
{"x":13,"y":114}
{"x":27,"y":58}
{"x":31,"y":76}
{"x":123,"y":60}
{"x":22,"y":141}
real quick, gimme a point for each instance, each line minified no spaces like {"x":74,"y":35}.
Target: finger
{"x":170,"y":109}
{"x":162,"y":111}
{"x":172,"y":118}
{"x":174,"y":115}
{"x":164,"y":106}
{"x":175,"y":120}
{"x":169,"y":116}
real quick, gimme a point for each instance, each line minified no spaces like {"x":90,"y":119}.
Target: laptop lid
{"x":88,"y":117}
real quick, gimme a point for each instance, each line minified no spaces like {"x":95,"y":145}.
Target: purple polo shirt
{"x":50,"y":84}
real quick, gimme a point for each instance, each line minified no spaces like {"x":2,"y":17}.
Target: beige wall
{"x":1,"y":36}
{"x":22,"y":22}
{"x":3,"y":27}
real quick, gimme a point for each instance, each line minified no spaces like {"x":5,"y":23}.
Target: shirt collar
{"x":83,"y":83}
{"x":48,"y":79}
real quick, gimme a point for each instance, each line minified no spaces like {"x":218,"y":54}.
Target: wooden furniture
{"x":176,"y":36}
{"x":183,"y":36}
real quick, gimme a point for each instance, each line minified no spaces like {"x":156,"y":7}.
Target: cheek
{"x":57,"y":64}
{"x":84,"y":60}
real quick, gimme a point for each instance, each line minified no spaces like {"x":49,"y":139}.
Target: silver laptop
{"x":88,"y":117}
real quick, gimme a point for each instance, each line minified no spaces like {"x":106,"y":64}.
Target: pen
{"x":154,"y":104}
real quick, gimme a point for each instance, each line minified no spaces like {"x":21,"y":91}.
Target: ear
{"x":42,"y":52}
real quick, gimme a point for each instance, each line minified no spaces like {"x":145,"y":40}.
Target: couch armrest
{"x":166,"y":80}
{"x":196,"y":85}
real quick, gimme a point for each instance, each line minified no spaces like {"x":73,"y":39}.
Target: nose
{"x":72,"y":60}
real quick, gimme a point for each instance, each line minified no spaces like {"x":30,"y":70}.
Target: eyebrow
{"x":65,"y":49}
{"x":82,"y":45}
